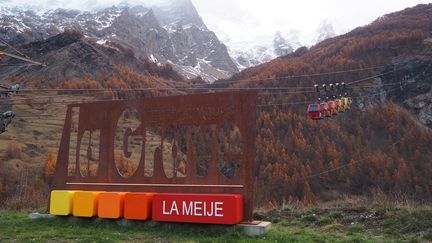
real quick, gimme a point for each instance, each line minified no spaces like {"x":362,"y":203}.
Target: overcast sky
{"x":239,"y":21}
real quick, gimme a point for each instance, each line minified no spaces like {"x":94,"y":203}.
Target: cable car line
{"x":308,"y":102}
{"x":348,"y":164}
{"x":122,"y":90}
{"x":194,"y":88}
{"x":4,"y":42}
{"x":304,"y":75}
{"x":261,"y":105}
{"x":18,"y":65}
{"x":365,"y":79}
{"x":21,"y":58}
{"x":208,"y":87}
{"x":101,"y":91}
{"x":309,"y":91}
{"x":60,"y":96}
{"x":167,"y":88}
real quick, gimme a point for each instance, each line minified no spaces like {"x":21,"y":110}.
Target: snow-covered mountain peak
{"x":324,"y":31}
{"x":263,"y":48}
{"x":284,"y":45}
{"x":169,"y":33}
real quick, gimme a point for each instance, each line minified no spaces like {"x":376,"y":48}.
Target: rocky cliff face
{"x":415,"y":88}
{"x":68,"y":56}
{"x":172,"y":34}
{"x":410,"y":85}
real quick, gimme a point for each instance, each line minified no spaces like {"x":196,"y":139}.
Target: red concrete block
{"x":138,"y":205}
{"x":111,"y":205}
{"x":198,"y":208}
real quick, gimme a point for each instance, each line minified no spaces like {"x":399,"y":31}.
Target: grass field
{"x":308,"y":225}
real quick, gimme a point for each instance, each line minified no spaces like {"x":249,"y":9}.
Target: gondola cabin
{"x":340,"y":105}
{"x":333,"y":107}
{"x":315,"y":112}
{"x":347,"y":102}
{"x":326,"y":109}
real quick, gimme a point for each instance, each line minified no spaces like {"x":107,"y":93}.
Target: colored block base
{"x":85,"y":204}
{"x":61,"y":202}
{"x":138,"y":206}
{"x":198,"y":208}
{"x":110,"y":205}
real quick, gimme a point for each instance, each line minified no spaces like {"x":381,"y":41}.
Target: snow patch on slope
{"x":202,"y":69}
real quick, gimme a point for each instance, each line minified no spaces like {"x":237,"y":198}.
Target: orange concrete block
{"x":85,"y":204}
{"x":138,"y":205}
{"x":111,"y":205}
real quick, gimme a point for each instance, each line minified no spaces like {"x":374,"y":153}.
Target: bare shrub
{"x":14,"y":150}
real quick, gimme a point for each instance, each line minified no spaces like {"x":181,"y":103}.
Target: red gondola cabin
{"x":315,"y":112}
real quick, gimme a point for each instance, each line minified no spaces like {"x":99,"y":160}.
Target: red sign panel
{"x":198,"y":208}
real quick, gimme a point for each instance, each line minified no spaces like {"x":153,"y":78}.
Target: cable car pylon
{"x":7,"y":116}
{"x":3,"y":53}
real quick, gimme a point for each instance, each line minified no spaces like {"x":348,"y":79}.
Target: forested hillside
{"x":374,"y":147}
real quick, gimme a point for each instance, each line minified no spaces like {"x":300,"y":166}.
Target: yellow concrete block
{"x":61,"y":202}
{"x":85,"y":204}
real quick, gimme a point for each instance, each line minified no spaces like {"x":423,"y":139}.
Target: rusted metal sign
{"x":201,"y":143}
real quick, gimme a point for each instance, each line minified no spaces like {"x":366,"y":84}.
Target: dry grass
{"x":24,"y":148}
{"x":31,"y":199}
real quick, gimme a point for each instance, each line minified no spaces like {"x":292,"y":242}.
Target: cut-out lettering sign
{"x":202,"y":143}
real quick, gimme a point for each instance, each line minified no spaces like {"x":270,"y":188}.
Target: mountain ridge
{"x":175,"y":35}
{"x":72,"y":58}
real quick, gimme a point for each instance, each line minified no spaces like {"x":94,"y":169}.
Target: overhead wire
{"x":348,"y":164}
{"x":166,"y":88}
{"x":362,"y":86}
{"x":365,"y":79}
{"x":101,"y":91}
{"x":17,"y":64}
{"x":30,"y":100}
{"x":61,"y":95}
{"x":262,"y":105}
{"x":210,"y":86}
{"x":303,"y":75}
{"x":61,"y":102}
{"x":308,"y":102}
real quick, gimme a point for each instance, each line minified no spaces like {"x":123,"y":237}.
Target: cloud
{"x":84,"y":5}
{"x":241,"y":19}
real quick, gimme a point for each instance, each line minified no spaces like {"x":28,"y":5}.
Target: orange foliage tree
{"x":50,"y":164}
